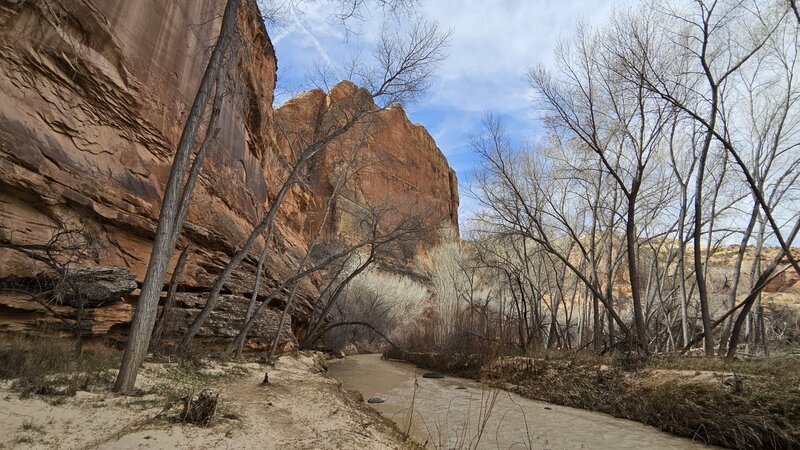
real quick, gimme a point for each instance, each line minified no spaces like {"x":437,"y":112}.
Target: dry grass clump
{"x":756,"y":413}
{"x":49,"y":365}
{"x":777,"y":366}
{"x":564,"y":382}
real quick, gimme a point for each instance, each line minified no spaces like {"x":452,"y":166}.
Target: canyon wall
{"x":384,"y":164}
{"x":93,"y":98}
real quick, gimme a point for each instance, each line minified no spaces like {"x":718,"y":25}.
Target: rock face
{"x":391,"y":164}
{"x":93,"y":98}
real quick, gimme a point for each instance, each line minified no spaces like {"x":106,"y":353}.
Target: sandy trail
{"x":300,"y":409}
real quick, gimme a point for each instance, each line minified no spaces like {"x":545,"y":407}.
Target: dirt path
{"x":300,"y":409}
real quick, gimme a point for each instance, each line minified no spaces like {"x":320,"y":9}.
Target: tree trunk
{"x":241,"y":254}
{"x":754,"y":295}
{"x":256,"y":286}
{"x":158,"y":331}
{"x":699,"y":272}
{"x":726,"y":328}
{"x":633,"y":272}
{"x":165,"y":237}
{"x":682,"y":266}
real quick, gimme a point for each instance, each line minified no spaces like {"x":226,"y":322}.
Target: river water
{"x":444,"y":415}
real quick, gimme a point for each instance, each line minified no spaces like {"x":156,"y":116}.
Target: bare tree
{"x":345,"y":168}
{"x":521,"y":197}
{"x":613,"y":116}
{"x":62,"y":281}
{"x":708,"y":46}
{"x":408,"y":226}
{"x":386,"y":234}
{"x":175,"y":203}
{"x":398,"y":82}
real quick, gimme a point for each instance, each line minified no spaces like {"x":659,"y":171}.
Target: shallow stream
{"x":459,"y":413}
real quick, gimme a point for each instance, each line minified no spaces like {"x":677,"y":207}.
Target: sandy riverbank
{"x":300,"y":409}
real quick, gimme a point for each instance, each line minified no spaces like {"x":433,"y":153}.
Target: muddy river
{"x":459,"y":413}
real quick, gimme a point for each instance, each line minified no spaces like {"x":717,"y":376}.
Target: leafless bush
{"x":57,"y":280}
{"x":46,"y":366}
{"x":782,"y":326}
{"x":382,"y":299}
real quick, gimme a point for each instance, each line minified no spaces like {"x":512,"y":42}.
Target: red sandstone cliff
{"x":93,"y":96}
{"x":391,"y":164}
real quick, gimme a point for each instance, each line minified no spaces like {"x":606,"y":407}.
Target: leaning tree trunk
{"x":253,"y":298}
{"x":310,"y":337}
{"x":166,"y":309}
{"x":755,"y":294}
{"x":266,"y":223}
{"x":241,"y":254}
{"x":737,"y":271}
{"x":165,"y":237}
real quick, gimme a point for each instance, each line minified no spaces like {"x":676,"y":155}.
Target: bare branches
{"x":403,"y":66}
{"x":61,"y":281}
{"x":664,"y":132}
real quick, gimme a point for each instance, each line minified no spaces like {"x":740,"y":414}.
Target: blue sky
{"x":493,"y":46}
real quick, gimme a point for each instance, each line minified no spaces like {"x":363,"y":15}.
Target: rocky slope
{"x":93,"y":97}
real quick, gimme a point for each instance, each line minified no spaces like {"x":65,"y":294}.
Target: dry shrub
{"x":783,"y":326}
{"x":754,"y":411}
{"x":760,"y":414}
{"x":200,"y":410}
{"x":386,"y":300}
{"x":49,"y":365}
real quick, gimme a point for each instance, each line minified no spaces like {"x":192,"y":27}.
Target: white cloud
{"x":493,"y":46}
{"x":315,"y":42}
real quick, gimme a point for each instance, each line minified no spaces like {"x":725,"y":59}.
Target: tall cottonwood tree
{"x":522,"y":195}
{"x":617,"y":119}
{"x":703,"y":71}
{"x":672,"y":132}
{"x":175,"y":203}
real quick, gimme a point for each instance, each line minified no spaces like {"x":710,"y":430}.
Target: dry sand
{"x":300,"y":409}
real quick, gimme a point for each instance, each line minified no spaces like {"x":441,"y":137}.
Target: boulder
{"x":99,"y":285}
